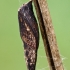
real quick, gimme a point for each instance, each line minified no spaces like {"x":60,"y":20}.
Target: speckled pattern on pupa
{"x":29,"y":33}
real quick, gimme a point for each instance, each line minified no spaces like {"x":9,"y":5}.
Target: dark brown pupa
{"x":29,"y":33}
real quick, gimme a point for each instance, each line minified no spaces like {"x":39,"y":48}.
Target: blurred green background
{"x":11,"y":46}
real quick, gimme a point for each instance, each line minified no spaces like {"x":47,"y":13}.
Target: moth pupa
{"x":29,"y":33}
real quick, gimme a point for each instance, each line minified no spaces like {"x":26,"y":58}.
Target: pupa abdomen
{"x":29,"y":33}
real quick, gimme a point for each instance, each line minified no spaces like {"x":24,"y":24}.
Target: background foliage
{"x":11,"y":46}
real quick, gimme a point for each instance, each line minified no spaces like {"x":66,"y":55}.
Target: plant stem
{"x":48,"y":35}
